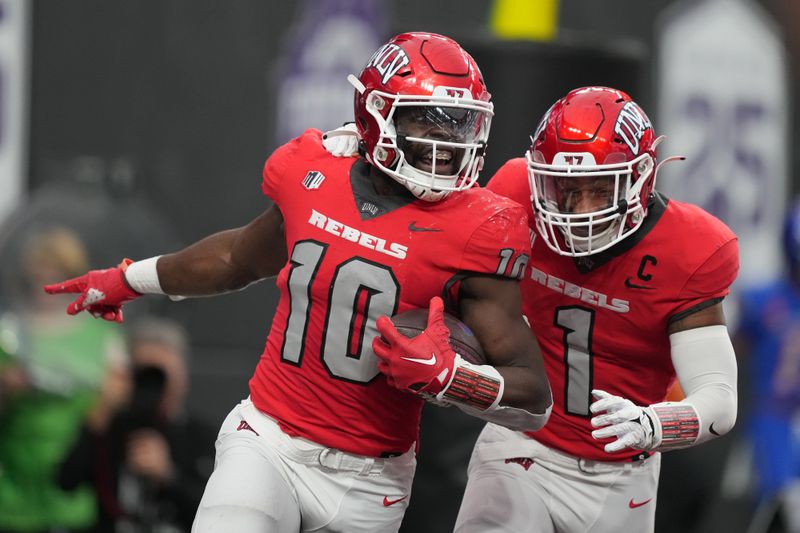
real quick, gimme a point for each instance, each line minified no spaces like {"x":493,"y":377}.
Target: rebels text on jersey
{"x":602,"y":320}
{"x":353,"y":256}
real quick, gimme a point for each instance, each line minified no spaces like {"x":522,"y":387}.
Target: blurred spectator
{"x":51,"y":368}
{"x":770,"y":329}
{"x":149,"y":462}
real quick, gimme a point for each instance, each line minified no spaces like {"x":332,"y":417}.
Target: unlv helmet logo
{"x":631,"y":125}
{"x":388,"y":61}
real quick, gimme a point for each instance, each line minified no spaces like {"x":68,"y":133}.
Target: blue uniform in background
{"x":771,"y":322}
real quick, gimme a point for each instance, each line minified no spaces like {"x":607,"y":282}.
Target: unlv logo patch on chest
{"x":313,"y":180}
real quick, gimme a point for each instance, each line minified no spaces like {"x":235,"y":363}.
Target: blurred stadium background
{"x":144,"y":125}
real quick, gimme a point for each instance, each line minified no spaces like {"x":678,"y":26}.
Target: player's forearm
{"x":705,"y":362}
{"x":480,"y":391}
{"x":204,"y":268}
{"x":525,"y":389}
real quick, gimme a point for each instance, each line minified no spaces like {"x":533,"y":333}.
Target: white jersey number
{"x":578,"y":324}
{"x":360,"y":292}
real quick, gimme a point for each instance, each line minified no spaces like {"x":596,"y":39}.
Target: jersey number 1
{"x":578,"y":325}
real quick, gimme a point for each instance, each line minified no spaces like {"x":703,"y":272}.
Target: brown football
{"x":462,"y":340}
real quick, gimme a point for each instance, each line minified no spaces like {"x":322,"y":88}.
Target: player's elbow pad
{"x":705,"y":363}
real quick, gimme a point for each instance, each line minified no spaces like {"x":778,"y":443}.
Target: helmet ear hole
{"x":377,"y":102}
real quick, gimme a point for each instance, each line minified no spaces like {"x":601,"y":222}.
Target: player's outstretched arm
{"x":226,"y":261}
{"x":705,"y":362}
{"x":222,"y":262}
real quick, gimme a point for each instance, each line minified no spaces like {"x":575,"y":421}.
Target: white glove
{"x":342,"y":142}
{"x":634,"y":426}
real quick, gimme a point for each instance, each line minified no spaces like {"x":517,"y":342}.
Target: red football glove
{"x":102,"y":292}
{"x":422,"y":364}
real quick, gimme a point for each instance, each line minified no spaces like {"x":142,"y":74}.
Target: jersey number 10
{"x":360,"y":292}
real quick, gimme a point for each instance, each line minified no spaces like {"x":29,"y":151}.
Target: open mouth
{"x":445,"y":161}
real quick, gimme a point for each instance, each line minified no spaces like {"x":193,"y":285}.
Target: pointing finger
{"x":71,"y":286}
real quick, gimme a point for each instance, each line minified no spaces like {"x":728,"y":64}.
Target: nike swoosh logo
{"x":429,"y":361}
{"x":387,"y":502}
{"x":634,"y":286}
{"x":711,"y":429}
{"x":633,"y":505}
{"x":412,"y":227}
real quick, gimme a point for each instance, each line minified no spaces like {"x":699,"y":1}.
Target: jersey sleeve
{"x":511,"y":180}
{"x":501,"y":245}
{"x":278,"y":163}
{"x":710,"y":282}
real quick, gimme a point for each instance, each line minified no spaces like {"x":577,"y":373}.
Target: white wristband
{"x":142,"y":276}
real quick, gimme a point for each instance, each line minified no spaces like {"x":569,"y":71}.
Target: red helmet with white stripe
{"x":423,"y":113}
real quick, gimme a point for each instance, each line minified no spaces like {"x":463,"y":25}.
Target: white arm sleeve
{"x":705,"y":363}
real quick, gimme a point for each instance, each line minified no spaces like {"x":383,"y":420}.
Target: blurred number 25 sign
{"x":723,"y":104}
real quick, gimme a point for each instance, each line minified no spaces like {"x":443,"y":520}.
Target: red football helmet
{"x":423,"y":113}
{"x":592,"y":167}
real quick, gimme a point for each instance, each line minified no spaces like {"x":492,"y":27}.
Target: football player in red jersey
{"x":326,"y":440}
{"x":624,"y":292}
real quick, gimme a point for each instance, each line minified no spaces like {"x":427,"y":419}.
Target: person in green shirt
{"x":51,"y":370}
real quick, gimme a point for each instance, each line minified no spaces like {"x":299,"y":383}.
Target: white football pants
{"x":265,"y":481}
{"x":517,"y":485}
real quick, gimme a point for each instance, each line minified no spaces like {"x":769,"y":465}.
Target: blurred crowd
{"x":94,"y":434}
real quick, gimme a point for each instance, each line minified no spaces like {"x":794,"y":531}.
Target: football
{"x":462,"y":340}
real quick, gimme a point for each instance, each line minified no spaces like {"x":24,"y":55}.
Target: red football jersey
{"x":602,"y":320}
{"x":353,"y":256}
